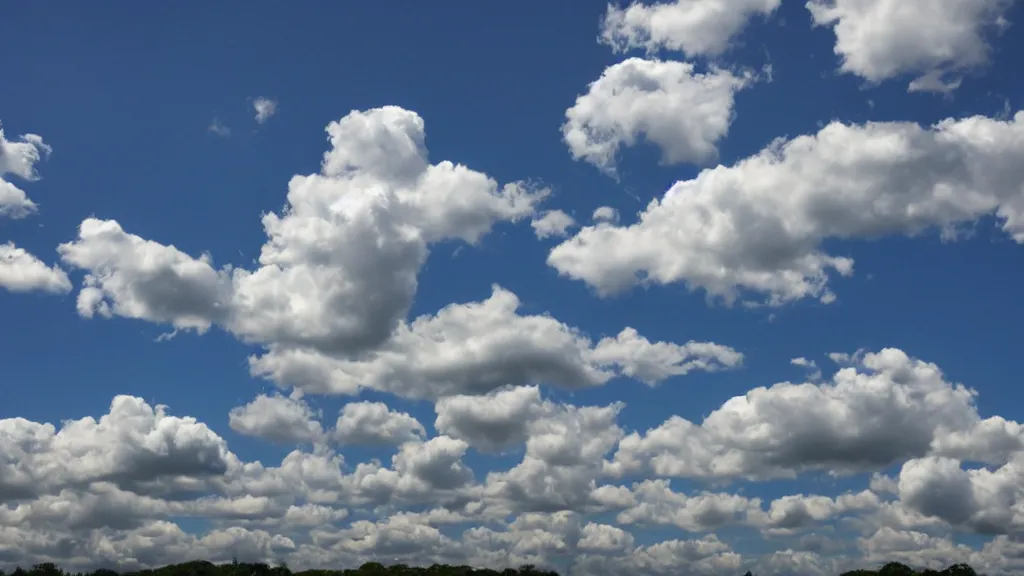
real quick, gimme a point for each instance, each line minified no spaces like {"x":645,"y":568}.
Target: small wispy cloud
{"x":218,"y":128}
{"x":265,"y":108}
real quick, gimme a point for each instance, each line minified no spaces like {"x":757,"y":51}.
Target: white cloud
{"x":265,"y":108}
{"x":134,"y":445}
{"x":136,"y":278}
{"x":562,"y":461}
{"x":935,"y":40}
{"x":810,"y":365}
{"x":918,"y":549}
{"x":979,"y":500}
{"x":551,"y":224}
{"x":103,"y":492}
{"x":651,"y":363}
{"x":758,"y":226}
{"x":605,"y":214}
{"x":219,"y":128}
{"x":276,"y":418}
{"x":338,"y":271}
{"x":653,"y":502}
{"x":704,"y":555}
{"x":14,"y":203}
{"x":478,"y":347}
{"x":20,"y":157}
{"x":23,"y":272}
{"x":494,"y":421}
{"x":374,"y":423}
{"x":666,"y":103}
{"x":884,"y":410}
{"x":694,"y":27}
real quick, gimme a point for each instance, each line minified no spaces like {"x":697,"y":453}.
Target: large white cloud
{"x":109,"y":491}
{"x":653,"y":502}
{"x":561,"y":463}
{"x":885,"y":409}
{"x":758,"y":226}
{"x":694,"y":27}
{"x":338,"y":271}
{"x":478,"y":347}
{"x":134,"y":445}
{"x":666,"y":103}
{"x":935,"y":40}
{"x":979,"y":499}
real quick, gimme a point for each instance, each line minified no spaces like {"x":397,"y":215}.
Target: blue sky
{"x":148,"y":137}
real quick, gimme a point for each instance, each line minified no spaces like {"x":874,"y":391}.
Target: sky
{"x":691,"y":287}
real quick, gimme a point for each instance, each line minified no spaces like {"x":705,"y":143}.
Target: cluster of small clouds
{"x":264,"y":108}
{"x":106,"y":491}
{"x":327,"y":307}
{"x":21,"y":271}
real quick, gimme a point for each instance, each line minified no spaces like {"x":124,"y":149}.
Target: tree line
{"x":204,"y":568}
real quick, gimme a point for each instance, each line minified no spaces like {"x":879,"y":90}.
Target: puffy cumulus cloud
{"x":539,"y":538}
{"x":935,"y":40}
{"x":133,"y":445}
{"x":495,"y":421}
{"x":278,"y":419}
{"x":478,"y":347}
{"x":653,"y":502}
{"x":471,"y":348}
{"x":109,"y":492}
{"x":153,"y":544}
{"x":265,"y":108}
{"x":372,"y":423}
{"x":561,"y":464}
{"x":789,"y":514}
{"x":552,"y":224}
{"x":666,"y":103}
{"x":14,"y":203}
{"x":428,"y":471}
{"x":885,"y":409}
{"x":694,"y":27}
{"x":132,"y":277}
{"x":397,"y":537}
{"x":20,"y":271}
{"x":917,"y":549}
{"x":604,"y":538}
{"x":19,"y":158}
{"x":651,"y":363}
{"x":338,"y":274}
{"x":338,"y":270}
{"x":605,"y":214}
{"x":705,"y":555}
{"x":758,"y":226}
{"x":979,"y":500}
